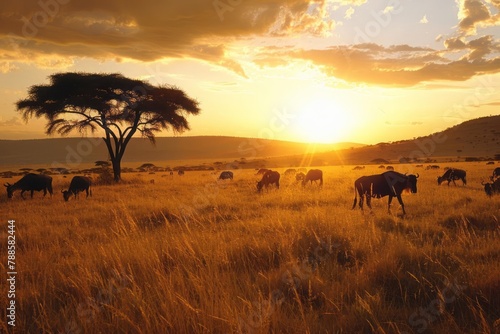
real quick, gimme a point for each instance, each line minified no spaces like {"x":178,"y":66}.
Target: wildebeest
{"x":226,"y":175}
{"x":313,"y":175}
{"x":180,"y":172}
{"x":290,"y":171}
{"x":491,"y":188}
{"x":432,"y":167}
{"x":359,"y":168}
{"x":389,"y":184}
{"x":453,"y":174}
{"x":496,"y":173}
{"x":299,"y":176}
{"x":262,"y":171}
{"x":78,"y":184}
{"x":389,"y":168}
{"x":31,"y":182}
{"x":270,"y":177}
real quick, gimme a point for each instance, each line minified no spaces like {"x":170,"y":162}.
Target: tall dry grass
{"x":192,"y":254}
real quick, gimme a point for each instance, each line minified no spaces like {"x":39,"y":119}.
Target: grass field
{"x":192,"y":254}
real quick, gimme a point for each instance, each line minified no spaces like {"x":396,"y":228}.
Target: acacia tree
{"x":112,"y":103}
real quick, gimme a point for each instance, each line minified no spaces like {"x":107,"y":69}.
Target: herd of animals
{"x":389,"y":183}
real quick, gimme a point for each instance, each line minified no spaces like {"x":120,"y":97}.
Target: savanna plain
{"x":193,"y":254}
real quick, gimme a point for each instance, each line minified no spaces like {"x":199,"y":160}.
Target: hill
{"x":87,"y":150}
{"x":475,"y":139}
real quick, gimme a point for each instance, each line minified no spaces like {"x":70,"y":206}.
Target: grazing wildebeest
{"x":262,"y":171}
{"x":270,"y":177}
{"x":491,"y":188}
{"x":313,"y":175}
{"x":389,"y":168}
{"x":389,"y":184}
{"x":180,"y":172}
{"x":359,"y":168}
{"x":78,"y":184}
{"x":226,"y":175}
{"x":496,"y":173}
{"x":490,"y":163}
{"x":451,"y":175}
{"x":299,"y":176}
{"x":290,"y":171}
{"x":30,"y":182}
{"x":432,"y":167}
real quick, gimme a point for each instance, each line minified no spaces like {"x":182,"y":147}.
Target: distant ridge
{"x":474,"y":139}
{"x":87,"y":150}
{"x":478,"y":138}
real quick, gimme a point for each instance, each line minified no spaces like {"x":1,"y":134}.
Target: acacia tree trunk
{"x":115,"y":159}
{"x":117,"y":171}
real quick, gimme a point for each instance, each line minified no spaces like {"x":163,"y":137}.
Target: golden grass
{"x":192,"y":254}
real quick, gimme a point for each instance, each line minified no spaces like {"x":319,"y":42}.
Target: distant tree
{"x":147,"y":166}
{"x":112,"y":103}
{"x":103,"y":164}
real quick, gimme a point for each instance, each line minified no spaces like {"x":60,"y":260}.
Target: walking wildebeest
{"x":226,"y":175}
{"x":496,"y":173}
{"x":451,"y":175}
{"x":270,"y":177}
{"x":491,"y":188}
{"x":30,"y":182}
{"x":79,"y":183}
{"x":389,"y":184}
{"x":313,"y":175}
{"x":299,"y":176}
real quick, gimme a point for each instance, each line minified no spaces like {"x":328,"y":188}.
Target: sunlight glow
{"x":323,"y":121}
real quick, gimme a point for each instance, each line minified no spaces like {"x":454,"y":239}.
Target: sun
{"x":323,"y":121}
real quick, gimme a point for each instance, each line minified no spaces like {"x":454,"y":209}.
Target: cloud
{"x":478,"y":48}
{"x":348,"y":13}
{"x":397,"y":65}
{"x":14,"y":121}
{"x":388,"y":9}
{"x":56,"y":36}
{"x":424,"y":20}
{"x":474,"y":14}
{"x":35,"y":31}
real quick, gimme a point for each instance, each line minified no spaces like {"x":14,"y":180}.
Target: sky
{"x":360,"y":71}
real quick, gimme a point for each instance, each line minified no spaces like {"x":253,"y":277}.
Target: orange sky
{"x":339,"y":70}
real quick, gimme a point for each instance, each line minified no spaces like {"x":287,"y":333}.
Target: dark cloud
{"x":149,"y":30}
{"x":51,"y":33}
{"x":475,"y":13}
{"x":478,"y":48}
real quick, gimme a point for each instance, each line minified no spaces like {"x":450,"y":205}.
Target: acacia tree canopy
{"x":111,"y":103}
